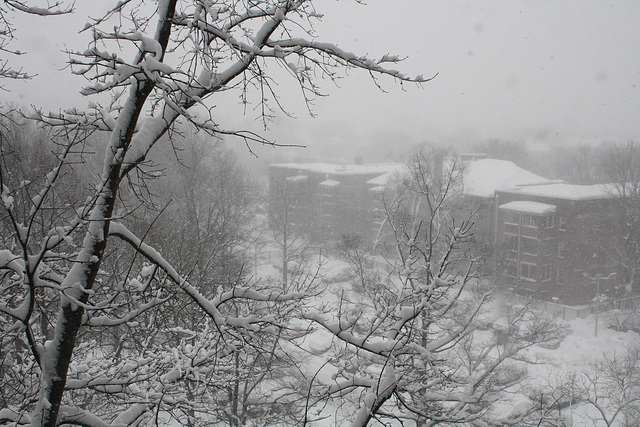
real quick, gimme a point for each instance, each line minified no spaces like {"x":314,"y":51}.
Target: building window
{"x":562,"y":249}
{"x":377,"y":194}
{"x":327,"y":191}
{"x":546,"y":272}
{"x":529,"y":220}
{"x":510,"y":218}
{"x":562,"y":224}
{"x":529,"y":245}
{"x":511,"y":242}
{"x":511,"y":268}
{"x":546,"y":221}
{"x":560,"y":277}
{"x":528,"y":272}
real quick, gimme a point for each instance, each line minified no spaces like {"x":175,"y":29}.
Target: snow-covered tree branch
{"x":74,"y":275}
{"x":8,"y":31}
{"x":433,"y":344}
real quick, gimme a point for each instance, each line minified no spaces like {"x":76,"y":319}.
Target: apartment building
{"x":330,"y":200}
{"x":556,"y":239}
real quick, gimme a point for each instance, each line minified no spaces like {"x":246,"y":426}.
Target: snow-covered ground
{"x":581,"y":348}
{"x":578,"y":352}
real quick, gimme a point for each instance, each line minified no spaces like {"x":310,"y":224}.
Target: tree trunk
{"x":58,"y":352}
{"x":83,"y":274}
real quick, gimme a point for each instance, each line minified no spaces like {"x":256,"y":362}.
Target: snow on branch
{"x":17,"y":418}
{"x":96,"y":118}
{"x":53,"y":9}
{"x":112,"y":320}
{"x":76,"y":416}
{"x":374,"y":344}
{"x":214,"y":31}
{"x":302,"y":47}
{"x":9,"y":73}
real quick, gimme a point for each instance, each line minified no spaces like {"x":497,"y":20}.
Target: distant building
{"x":555,"y":237}
{"x":482,"y":180}
{"x":558,"y":240}
{"x":333,"y":200}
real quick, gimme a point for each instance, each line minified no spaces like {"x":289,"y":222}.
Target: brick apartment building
{"x":558,"y":240}
{"x":555,"y":238}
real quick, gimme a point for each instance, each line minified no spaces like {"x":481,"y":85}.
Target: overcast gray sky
{"x":556,"y":71}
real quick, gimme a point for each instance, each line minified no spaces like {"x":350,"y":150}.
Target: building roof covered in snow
{"x":329,"y":183}
{"x":388,"y":177}
{"x":333,"y":169}
{"x":483,"y":177}
{"x":559,"y":190}
{"x":526,"y":206}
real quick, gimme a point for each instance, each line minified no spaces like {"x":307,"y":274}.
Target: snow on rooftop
{"x":327,"y":168}
{"x":385,"y":179}
{"x":329,"y":183}
{"x":529,"y":207}
{"x":566,"y":191}
{"x":483,"y":177}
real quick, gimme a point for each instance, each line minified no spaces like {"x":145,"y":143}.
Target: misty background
{"x":545,"y":73}
{"x":465,"y":285}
